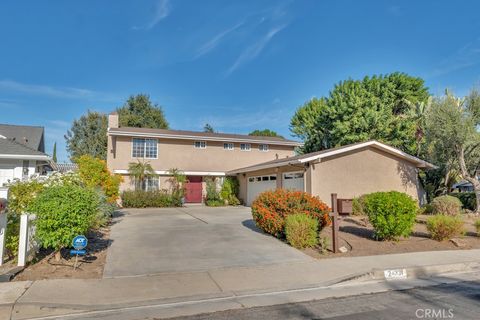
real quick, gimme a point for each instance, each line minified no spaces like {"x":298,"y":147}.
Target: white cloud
{"x":35,"y":89}
{"x":162,"y":10}
{"x":255,"y":49}
{"x":215,"y":41}
{"x":466,"y":56}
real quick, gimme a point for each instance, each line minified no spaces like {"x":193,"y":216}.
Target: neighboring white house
{"x":22,"y":152}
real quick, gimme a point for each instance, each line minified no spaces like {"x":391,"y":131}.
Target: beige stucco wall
{"x":362,"y":172}
{"x":181,"y":154}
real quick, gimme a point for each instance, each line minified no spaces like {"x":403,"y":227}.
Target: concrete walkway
{"x":56,"y":297}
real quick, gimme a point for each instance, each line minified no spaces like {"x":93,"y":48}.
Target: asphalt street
{"x":447,"y":301}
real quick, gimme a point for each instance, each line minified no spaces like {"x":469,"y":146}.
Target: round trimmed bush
{"x":446,"y":205}
{"x":392,"y":214}
{"x":442,"y":227}
{"x":270,"y":209}
{"x":301,"y":230}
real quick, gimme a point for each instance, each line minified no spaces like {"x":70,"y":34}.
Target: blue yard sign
{"x":79,"y":242}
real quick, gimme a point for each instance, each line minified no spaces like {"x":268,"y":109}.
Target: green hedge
{"x":467,"y":199}
{"x":301,"y":230}
{"x":149,"y":199}
{"x":392,"y":214}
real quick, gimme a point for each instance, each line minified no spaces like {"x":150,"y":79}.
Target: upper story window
{"x":228,"y":146}
{"x":245,"y":146}
{"x":200,"y":144}
{"x":144,"y":148}
{"x":263,"y":147}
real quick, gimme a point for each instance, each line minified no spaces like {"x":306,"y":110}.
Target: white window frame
{"x":263,"y":147}
{"x":151,"y":183}
{"x":201,"y":144}
{"x":294,"y":175}
{"x":248,"y":147}
{"x":145,"y":148}
{"x":228,"y":146}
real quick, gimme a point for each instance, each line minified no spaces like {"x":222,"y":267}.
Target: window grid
{"x":245,"y":146}
{"x":200,"y":144}
{"x":228,"y":146}
{"x":263,"y":147}
{"x":144,"y":148}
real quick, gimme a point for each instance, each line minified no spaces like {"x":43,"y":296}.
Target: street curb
{"x":409,"y":272}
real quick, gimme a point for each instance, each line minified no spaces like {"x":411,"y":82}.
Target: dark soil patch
{"x":90,"y":266}
{"x":357,"y":236}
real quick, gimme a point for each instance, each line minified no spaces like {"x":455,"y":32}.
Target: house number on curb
{"x":395,"y":274}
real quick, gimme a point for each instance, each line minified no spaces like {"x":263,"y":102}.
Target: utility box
{"x":345,"y":206}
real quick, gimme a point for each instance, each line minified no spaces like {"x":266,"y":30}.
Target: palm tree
{"x":140,"y":171}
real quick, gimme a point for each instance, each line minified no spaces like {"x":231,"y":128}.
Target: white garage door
{"x":293,"y":181}
{"x":259,"y":184}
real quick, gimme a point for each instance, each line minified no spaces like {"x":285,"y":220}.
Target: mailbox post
{"x":334,"y":216}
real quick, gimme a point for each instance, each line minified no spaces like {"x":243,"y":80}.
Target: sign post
{"x":335,"y":228}
{"x":79,"y":243}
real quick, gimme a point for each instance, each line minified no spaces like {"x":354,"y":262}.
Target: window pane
{"x":258,"y":178}
{"x":150,"y":148}
{"x":250,"y":179}
{"x":265,"y":178}
{"x":138,"y":148}
{"x":272,"y":178}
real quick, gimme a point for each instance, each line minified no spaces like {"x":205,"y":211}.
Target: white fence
{"x":27,"y":246}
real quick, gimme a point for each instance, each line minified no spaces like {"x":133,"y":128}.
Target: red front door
{"x":193,"y":190}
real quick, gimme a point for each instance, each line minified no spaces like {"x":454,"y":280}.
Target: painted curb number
{"x":395,"y":274}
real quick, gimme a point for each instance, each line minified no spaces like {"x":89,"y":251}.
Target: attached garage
{"x":348,"y":171}
{"x":293,"y":181}
{"x":259,"y":184}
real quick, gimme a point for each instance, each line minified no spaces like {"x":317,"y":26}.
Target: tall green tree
{"x":453,"y":138}
{"x":54,"y":154}
{"x":88,"y":136}
{"x":139,"y":111}
{"x":208,"y":128}
{"x":378,"y":107}
{"x":264,"y":133}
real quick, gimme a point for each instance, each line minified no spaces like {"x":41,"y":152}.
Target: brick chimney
{"x":113,"y":120}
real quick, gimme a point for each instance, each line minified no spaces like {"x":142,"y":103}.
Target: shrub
{"x":392,"y":214}
{"x":62,"y":213}
{"x":105,"y":211}
{"x":468,"y":199}
{"x":442,"y":227}
{"x":230,"y":190}
{"x":149,"y":199}
{"x":358,"y":206}
{"x":270,"y":209}
{"x":477,"y":227}
{"x":301,"y":230}
{"x":95,"y":174}
{"x":21,"y":194}
{"x":215,"y":203}
{"x":213,"y":197}
{"x":446,"y":205}
{"x":426,"y":209}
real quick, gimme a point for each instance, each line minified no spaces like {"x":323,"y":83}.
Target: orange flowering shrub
{"x":270,"y":209}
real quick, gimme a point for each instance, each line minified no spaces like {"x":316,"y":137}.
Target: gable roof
{"x":31,"y":136}
{"x":195,"y":135}
{"x":304,"y":158}
{"x":10,"y":149}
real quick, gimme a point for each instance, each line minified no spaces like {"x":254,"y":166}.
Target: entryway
{"x":193,"y":189}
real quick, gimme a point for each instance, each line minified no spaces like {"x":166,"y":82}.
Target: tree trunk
{"x":473,"y":180}
{"x":58,"y":256}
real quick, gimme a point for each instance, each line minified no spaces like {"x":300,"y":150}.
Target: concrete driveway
{"x":197,"y":238}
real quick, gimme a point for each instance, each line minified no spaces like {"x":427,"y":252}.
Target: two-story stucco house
{"x":199,"y":155}
{"x":263,"y":163}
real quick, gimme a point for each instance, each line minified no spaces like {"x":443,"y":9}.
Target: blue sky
{"x":238,"y":65}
